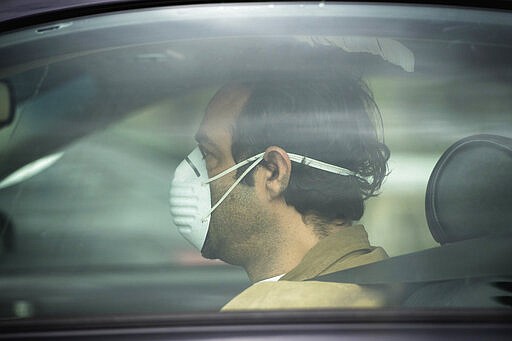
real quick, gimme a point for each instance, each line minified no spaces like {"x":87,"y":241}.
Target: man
{"x":288,"y":165}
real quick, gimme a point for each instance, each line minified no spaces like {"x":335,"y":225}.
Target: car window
{"x":103,"y":201}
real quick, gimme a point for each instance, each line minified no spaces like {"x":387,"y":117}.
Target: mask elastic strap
{"x":321,"y":165}
{"x":238,"y":165}
{"x":257,"y":159}
{"x":307,"y":161}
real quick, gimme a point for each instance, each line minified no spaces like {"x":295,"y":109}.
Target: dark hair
{"x":334,"y":121}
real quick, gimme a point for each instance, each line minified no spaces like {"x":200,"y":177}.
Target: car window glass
{"x":108,"y":106}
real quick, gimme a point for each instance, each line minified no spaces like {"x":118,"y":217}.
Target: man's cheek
{"x":218,"y":216}
{"x":215,"y":192}
{"x":219,"y":187}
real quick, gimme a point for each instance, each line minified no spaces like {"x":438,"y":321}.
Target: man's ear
{"x":278,"y":169}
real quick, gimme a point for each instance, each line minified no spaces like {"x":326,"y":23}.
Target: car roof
{"x":20,"y":13}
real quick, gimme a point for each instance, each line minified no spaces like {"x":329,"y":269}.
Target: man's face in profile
{"x":237,"y":225}
{"x":269,"y":223}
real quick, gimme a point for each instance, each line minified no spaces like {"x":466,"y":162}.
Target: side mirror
{"x":7,"y":105}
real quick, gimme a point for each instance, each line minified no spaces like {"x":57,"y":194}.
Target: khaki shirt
{"x":341,"y":250}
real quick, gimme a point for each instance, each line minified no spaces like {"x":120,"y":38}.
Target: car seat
{"x":469,"y":198}
{"x":469,"y":193}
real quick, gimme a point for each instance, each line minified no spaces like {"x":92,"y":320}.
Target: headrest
{"x":469,"y":193}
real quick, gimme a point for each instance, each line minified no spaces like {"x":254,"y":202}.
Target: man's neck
{"x":266,"y":268}
{"x":295,"y":240}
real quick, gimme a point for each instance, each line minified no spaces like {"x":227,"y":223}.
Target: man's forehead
{"x":222,"y":112}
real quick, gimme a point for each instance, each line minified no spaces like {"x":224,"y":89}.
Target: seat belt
{"x":474,"y":258}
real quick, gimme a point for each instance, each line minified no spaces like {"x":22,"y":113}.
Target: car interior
{"x":467,"y":205}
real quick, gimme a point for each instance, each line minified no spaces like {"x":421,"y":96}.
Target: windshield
{"x":205,"y":158}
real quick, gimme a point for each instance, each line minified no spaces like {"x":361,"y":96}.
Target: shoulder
{"x":306,"y":295}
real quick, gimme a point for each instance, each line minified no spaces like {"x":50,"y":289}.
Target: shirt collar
{"x":271,"y":279}
{"x":330,"y":250}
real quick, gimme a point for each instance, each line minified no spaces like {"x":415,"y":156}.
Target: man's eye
{"x":205,"y":153}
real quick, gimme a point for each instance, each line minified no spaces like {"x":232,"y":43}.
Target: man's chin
{"x":208,"y":251}
{"x":212,"y":250}
{"x":208,"y":255}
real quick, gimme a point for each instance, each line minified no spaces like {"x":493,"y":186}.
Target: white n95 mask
{"x":190,"y":195}
{"x":190,"y":191}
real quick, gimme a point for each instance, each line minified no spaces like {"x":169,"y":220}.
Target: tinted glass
{"x":108,"y":107}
